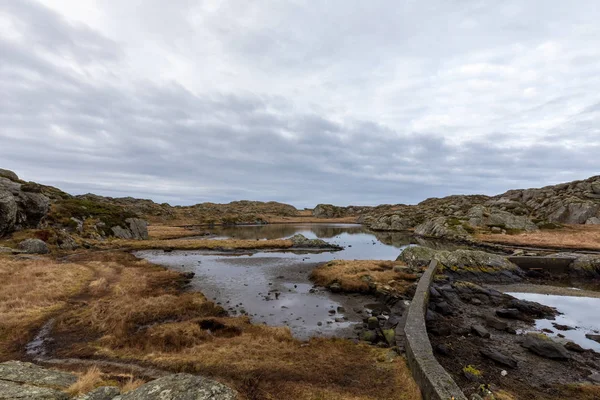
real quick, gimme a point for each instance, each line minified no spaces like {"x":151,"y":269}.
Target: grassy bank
{"x":576,"y":237}
{"x":111,"y":305}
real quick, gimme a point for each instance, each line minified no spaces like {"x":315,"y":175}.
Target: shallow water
{"x":581,"y":313}
{"x":274,"y":287}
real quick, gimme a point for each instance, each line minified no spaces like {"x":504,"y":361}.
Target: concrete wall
{"x":558,"y":265}
{"x":432,"y":378}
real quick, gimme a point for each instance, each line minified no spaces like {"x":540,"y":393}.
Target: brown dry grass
{"x":131,"y":384}
{"x":195,"y":244}
{"x":86,"y":382}
{"x":163,"y":232}
{"x":569,"y":237}
{"x":363,"y":275}
{"x":30,"y":292}
{"x":143,"y":315}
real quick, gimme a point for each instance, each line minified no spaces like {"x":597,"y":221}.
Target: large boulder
{"x":101,"y":393}
{"x":30,"y":374}
{"x":136,"y":229}
{"x":5,"y":173}
{"x":34,"y":246}
{"x":181,"y":387}
{"x":585,"y":266}
{"x":465,"y":264}
{"x":301,"y":241}
{"x":18,"y":208}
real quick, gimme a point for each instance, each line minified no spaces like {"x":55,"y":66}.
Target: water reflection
{"x":279,"y":231}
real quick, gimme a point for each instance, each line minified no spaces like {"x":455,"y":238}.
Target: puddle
{"x":273,"y":287}
{"x":38,"y":347}
{"x":577,"y":312}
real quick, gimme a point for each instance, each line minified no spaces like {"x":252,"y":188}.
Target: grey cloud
{"x":158,"y":138}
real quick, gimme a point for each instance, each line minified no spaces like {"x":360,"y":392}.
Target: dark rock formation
{"x":20,"y":209}
{"x":543,"y":346}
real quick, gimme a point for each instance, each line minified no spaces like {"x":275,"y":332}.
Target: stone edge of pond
{"x":433,"y":380}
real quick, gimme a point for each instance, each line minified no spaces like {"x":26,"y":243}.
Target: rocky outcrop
{"x":585,"y":266}
{"x":136,"y":229}
{"x":473,"y":265}
{"x":101,"y":393}
{"x":443,"y":228}
{"x":4,"y":173}
{"x":301,"y":241}
{"x":543,"y":346}
{"x":331,"y":211}
{"x":34,"y":246}
{"x":480,"y":216}
{"x":20,"y":208}
{"x":15,"y":391}
{"x":181,"y":387}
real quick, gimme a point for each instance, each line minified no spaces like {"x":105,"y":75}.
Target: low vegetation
{"x":567,"y":237}
{"x":194,"y":244}
{"x":365,"y":276}
{"x":111,"y":305}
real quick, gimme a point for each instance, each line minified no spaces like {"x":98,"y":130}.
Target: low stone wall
{"x":559,"y":265}
{"x":432,"y":378}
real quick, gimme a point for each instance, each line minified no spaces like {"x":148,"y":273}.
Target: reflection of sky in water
{"x":582,"y":313}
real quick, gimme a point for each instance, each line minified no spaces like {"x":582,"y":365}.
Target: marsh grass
{"x":363,"y":276}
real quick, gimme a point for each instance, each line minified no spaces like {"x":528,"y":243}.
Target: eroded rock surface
{"x":31,"y":374}
{"x":181,"y":387}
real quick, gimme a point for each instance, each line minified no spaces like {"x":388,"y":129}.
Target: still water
{"x":274,"y":287}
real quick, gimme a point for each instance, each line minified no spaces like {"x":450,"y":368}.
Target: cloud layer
{"x":298,"y":101}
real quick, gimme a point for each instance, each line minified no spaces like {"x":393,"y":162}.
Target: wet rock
{"x":595,"y":338}
{"x":440,"y":329}
{"x":335,"y":287}
{"x":31,"y":374}
{"x":14,"y":391}
{"x":443,"y":350}
{"x":562,"y":327}
{"x":101,"y":393}
{"x":341,"y":309}
{"x":495,"y":323}
{"x":369,"y":336}
{"x":34,"y":246}
{"x":572,"y":346}
{"x":509,"y":313}
{"x":499,"y":358}
{"x":543,"y":346}
{"x":480,"y":331}
{"x":372,"y":323}
{"x":444,"y":308}
{"x":390,"y":336}
{"x":532,"y":308}
{"x":181,"y":387}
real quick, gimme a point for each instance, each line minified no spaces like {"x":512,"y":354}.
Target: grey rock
{"x":302,"y":241}
{"x":595,"y":377}
{"x":66,"y":242}
{"x":496,"y":323}
{"x":509,"y":313}
{"x":595,"y":186}
{"x":8,"y":212}
{"x":489,"y":217}
{"x":480,"y":331}
{"x":499,"y":358}
{"x":585,"y":266}
{"x":15,"y":391}
{"x":31,"y":374}
{"x":595,"y":338}
{"x":181,"y":387}
{"x":572,"y":346}
{"x":5,"y":173}
{"x":593,"y":221}
{"x":101,"y":393}
{"x":34,"y":246}
{"x":543,"y":346}
{"x":443,"y":228}
{"x":138,"y":228}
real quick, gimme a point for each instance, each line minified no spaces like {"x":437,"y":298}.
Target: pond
{"x":273,"y":287}
{"x":577,"y":312}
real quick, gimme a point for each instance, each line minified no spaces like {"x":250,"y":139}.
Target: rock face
{"x":34,"y":246}
{"x":20,"y":208}
{"x":14,"y":391}
{"x":465,"y":264}
{"x":137,"y":229}
{"x":101,"y":393}
{"x":181,"y":387}
{"x":443,"y":227}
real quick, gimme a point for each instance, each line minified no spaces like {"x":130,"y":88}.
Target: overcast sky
{"x":300,"y":101}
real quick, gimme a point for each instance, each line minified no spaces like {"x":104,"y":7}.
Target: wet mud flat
{"x":483,"y":336}
{"x":272,"y":288}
